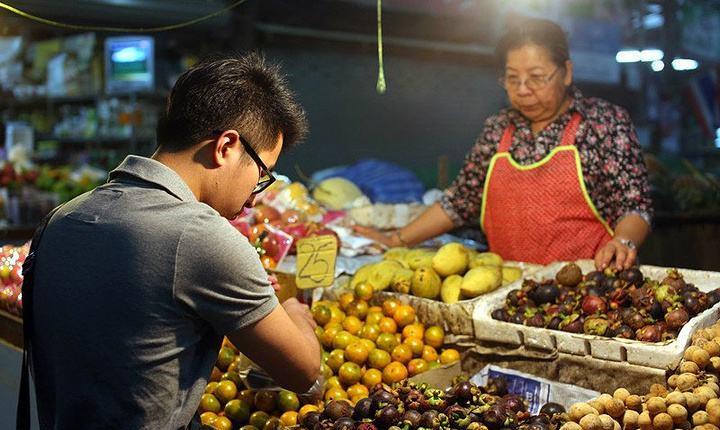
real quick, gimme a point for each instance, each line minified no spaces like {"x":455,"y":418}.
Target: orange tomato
{"x":379,"y":358}
{"x":289,"y":418}
{"x":394,"y":372}
{"x":390,"y":306}
{"x":388,"y":325}
{"x":450,"y":355}
{"x":321,"y":314}
{"x":342,"y":340}
{"x":357,"y":353}
{"x":352,"y":324}
{"x":402,"y":353}
{"x":429,"y":353}
{"x":415,"y":344}
{"x":335,"y":394}
{"x":386,"y":341}
{"x":414,"y":330}
{"x":404,"y":315}
{"x":345,"y":299}
{"x":335,"y":359}
{"x":375,"y":309}
{"x":349,"y":373}
{"x":207,"y":418}
{"x":372,"y":377}
{"x":417,"y":365}
{"x":358,"y":308}
{"x":305,"y":409}
{"x":369,"y":344}
{"x":370,"y":331}
{"x":434,"y":336}
{"x":358,"y":390}
{"x":374,"y":318}
{"x":222,"y":423}
{"x":364,"y":291}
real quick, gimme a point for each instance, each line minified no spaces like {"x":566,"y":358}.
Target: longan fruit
{"x":715,"y":363}
{"x":687,"y":381}
{"x":701,"y":358}
{"x":692,"y":401}
{"x":579,"y":410}
{"x":687,"y":355}
{"x":657,"y":390}
{"x":634,"y":402}
{"x":591,"y":422}
{"x":662,"y":421}
{"x":689,"y":367}
{"x":712,"y":347}
{"x":630,"y":420}
{"x":644,"y":421}
{"x":700,"y":417}
{"x":656,"y":405}
{"x":676,"y":398}
{"x":713,"y":386}
{"x":598,"y":405}
{"x":622,"y":394}
{"x":678,"y":413}
{"x":672,"y":381}
{"x":607,"y":422}
{"x":704,"y":394}
{"x":615,"y":408}
{"x":571,"y":426}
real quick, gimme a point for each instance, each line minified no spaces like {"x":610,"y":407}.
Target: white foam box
{"x":661,"y":355}
{"x":456,"y":319}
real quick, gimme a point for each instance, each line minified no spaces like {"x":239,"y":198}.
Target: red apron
{"x":542,"y":212}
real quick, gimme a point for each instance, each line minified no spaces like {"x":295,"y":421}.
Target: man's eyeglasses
{"x":534,"y":83}
{"x":266,"y":176}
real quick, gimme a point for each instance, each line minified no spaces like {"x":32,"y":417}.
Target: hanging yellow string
{"x":118,"y":29}
{"x":380,"y":87}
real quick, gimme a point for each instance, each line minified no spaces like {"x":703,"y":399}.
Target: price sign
{"x":315,"y":262}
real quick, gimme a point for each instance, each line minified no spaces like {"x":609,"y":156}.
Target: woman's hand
{"x":389,"y":240}
{"x":624,"y":255}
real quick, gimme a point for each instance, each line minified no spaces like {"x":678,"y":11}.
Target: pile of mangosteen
{"x":610,"y":303}
{"x":410,"y":406}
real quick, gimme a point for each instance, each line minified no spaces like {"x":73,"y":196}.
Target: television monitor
{"x":129,"y":64}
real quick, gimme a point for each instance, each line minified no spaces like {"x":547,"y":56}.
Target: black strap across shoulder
{"x":22,"y":421}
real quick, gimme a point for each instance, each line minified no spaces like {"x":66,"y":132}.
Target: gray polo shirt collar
{"x":155,"y":172}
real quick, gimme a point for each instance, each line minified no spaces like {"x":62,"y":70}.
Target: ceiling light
{"x":628,"y":56}
{"x":657,"y":65}
{"x":682,"y":64}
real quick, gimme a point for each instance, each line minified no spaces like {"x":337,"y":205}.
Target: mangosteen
{"x":517,"y":318}
{"x":596,"y":326}
{"x":513,"y":402}
{"x":545,"y":294}
{"x":624,"y":331}
{"x":496,"y":386}
{"x":310,"y":420}
{"x":336,"y":409}
{"x":455,"y":412}
{"x":674,"y":279}
{"x":366,"y":426}
{"x":415,"y":399}
{"x":643,"y":298}
{"x":464,"y":392}
{"x":633,"y":276}
{"x":572,"y":326}
{"x":649,"y":333}
{"x":495,"y":417}
{"x":593,"y":305}
{"x":344,"y":423}
{"x":387,"y":417}
{"x":542,"y":420}
{"x":325,"y":424}
{"x":554,"y":323}
{"x":412,"y":418}
{"x":676,"y":319}
{"x":619,"y":298}
{"x":713,"y":297}
{"x":656,"y":310}
{"x":429,"y":419}
{"x":595,"y":276}
{"x":363,"y":409}
{"x":570,"y":275}
{"x":536,"y":320}
{"x":513,"y":298}
{"x":635,"y":321}
{"x":500,"y":314}
{"x":550,"y":409}
{"x":595,"y":290}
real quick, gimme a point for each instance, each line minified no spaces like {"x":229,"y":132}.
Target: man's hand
{"x":274,"y":282}
{"x":624,"y":256}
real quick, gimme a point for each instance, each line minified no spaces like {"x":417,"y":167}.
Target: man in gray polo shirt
{"x":137,"y":281}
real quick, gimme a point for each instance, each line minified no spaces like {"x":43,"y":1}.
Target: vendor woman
{"x":556,"y":176}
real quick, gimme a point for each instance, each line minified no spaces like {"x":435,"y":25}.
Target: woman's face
{"x":535,"y":85}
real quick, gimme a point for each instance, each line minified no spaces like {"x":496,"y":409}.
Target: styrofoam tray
{"x":662,"y":355}
{"x":456,"y":318}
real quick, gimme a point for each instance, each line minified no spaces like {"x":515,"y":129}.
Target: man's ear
{"x":224,"y":146}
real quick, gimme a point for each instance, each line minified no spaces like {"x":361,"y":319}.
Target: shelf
{"x":75,"y":140}
{"x":8,"y":102}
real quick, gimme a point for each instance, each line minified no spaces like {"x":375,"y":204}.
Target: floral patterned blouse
{"x":612,"y":160}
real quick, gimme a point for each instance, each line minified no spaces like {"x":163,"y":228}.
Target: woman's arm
{"x":433,"y":222}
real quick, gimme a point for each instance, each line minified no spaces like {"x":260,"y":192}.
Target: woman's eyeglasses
{"x":533,"y":83}
{"x":266,"y":176}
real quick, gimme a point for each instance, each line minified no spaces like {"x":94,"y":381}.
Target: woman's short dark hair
{"x":541,"y":32}
{"x":244,"y":93}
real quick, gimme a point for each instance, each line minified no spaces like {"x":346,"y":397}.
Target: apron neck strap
{"x":506,"y":139}
{"x":571,"y":129}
